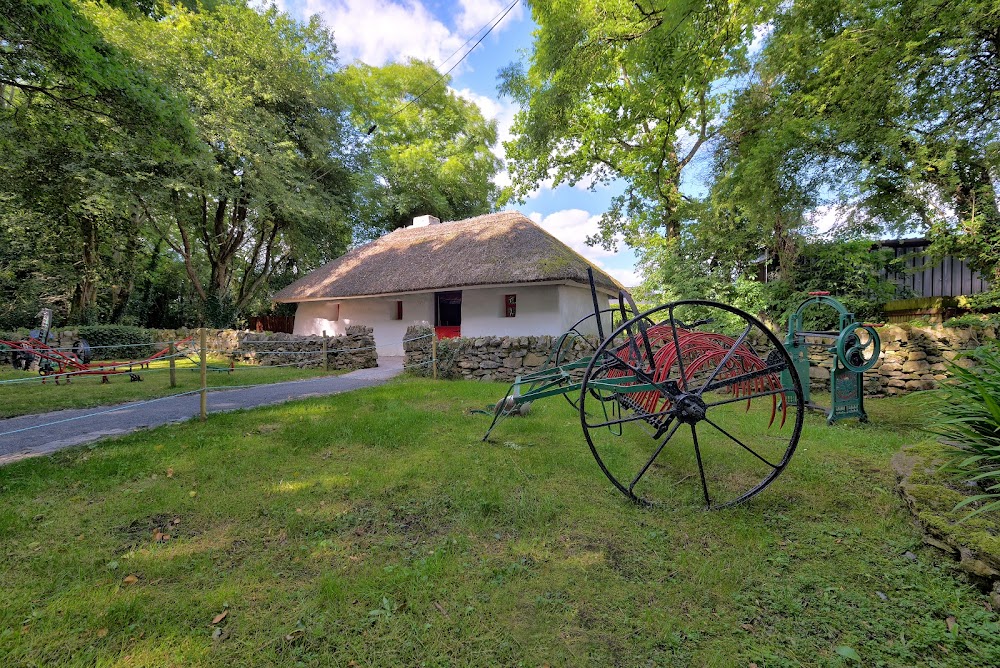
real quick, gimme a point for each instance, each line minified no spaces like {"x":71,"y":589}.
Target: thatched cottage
{"x":493,"y":275}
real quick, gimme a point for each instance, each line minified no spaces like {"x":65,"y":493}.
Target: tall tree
{"x":77,"y":116}
{"x":428,"y":152}
{"x":627,"y":91}
{"x":894,"y":104}
{"x":271,"y":185}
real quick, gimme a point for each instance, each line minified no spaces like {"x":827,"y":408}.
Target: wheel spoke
{"x":740,"y":443}
{"x":744,"y":397}
{"x":632,"y":418}
{"x":641,"y":374}
{"x":750,"y":375}
{"x":656,"y":454}
{"x":701,"y":468}
{"x":696,"y":369}
{"x":725,"y":360}
{"x":677,"y":347}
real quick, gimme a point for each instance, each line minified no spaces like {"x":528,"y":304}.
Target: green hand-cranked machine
{"x":855,"y":346}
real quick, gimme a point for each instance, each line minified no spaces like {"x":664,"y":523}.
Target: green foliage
{"x":625,"y":91}
{"x":430,"y":155}
{"x":970,"y":421}
{"x":850,"y":270}
{"x":974,"y":320}
{"x":78,"y":119}
{"x":270,"y":184}
{"x":139,"y":342}
{"x":174,"y":163}
{"x":52,"y":54}
{"x":886,"y":106}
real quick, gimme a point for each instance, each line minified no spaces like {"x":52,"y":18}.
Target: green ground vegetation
{"x":373,"y":528}
{"x":29,"y":396}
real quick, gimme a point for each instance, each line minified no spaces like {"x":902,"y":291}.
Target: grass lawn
{"x":374,"y":529}
{"x":31,"y":396}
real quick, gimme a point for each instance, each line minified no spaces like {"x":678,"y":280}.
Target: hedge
{"x":139,"y":341}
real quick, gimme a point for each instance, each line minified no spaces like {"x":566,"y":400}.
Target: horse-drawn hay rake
{"x":63,"y":365}
{"x":690,"y":390}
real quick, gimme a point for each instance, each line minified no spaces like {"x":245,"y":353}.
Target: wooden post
{"x":173,"y":366}
{"x":434,"y":354}
{"x":326,"y":359}
{"x":204,"y":376}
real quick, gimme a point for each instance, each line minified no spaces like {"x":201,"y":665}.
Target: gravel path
{"x":33,"y":435}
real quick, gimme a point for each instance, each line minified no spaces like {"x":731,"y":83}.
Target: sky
{"x":382,"y":31}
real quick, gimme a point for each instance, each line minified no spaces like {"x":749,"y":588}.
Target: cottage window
{"x":397,"y":310}
{"x":509,"y":306}
{"x":336,"y":313}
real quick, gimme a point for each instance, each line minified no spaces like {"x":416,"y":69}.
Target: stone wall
{"x":916,"y":357}
{"x":913,"y":357}
{"x":354,"y":350}
{"x":488,"y":358}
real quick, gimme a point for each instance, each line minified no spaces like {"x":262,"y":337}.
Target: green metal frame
{"x":847,"y":392}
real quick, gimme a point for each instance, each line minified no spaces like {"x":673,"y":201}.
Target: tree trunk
{"x":85,"y":295}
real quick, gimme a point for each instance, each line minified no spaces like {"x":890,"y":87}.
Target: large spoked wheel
{"x":691,"y":407}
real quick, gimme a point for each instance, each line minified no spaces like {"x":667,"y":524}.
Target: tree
{"x":77,"y":116}
{"x":627,"y":91}
{"x":270,"y":186}
{"x":429,"y":151}
{"x":894,"y":104}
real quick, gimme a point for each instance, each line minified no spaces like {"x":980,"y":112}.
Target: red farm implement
{"x":61,"y":364}
{"x":692,"y":390}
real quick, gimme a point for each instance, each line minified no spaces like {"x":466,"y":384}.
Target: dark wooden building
{"x":924,"y":276}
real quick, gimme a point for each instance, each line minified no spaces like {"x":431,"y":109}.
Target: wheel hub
{"x":690,"y":408}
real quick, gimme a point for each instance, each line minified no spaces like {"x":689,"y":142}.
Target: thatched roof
{"x":495,"y":249}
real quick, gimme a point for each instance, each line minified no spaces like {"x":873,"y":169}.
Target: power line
{"x":495,"y":23}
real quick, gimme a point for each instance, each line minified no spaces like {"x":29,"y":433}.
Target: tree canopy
{"x":627,"y":91}
{"x":883,"y":109}
{"x":174,"y":163}
{"x":428,"y":150}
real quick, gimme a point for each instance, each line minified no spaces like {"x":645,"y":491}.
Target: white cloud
{"x":827,"y":218}
{"x":501,"y":111}
{"x":630,"y":278}
{"x":572,"y":227}
{"x":382,"y":31}
{"x":477,"y":14}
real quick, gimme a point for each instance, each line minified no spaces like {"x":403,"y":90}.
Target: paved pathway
{"x":35,"y":435}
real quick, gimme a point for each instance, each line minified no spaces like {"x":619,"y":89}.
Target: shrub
{"x":973,"y":320}
{"x":136,"y":342}
{"x":970,"y":422}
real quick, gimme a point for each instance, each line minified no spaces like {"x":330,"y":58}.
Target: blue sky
{"x":383,"y":31}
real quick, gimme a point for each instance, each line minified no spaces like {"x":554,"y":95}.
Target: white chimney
{"x":424,"y":221}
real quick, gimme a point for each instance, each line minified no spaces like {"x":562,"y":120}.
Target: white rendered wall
{"x":575,"y":303}
{"x":541,"y":310}
{"x":374,"y":312}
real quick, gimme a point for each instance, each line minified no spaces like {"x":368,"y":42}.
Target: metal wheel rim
{"x":792,"y":397}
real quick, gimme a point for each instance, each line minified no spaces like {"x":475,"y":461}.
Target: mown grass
{"x":374,"y":529}
{"x":29,"y":396}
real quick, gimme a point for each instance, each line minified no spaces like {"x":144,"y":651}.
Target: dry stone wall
{"x":487,"y":358}
{"x":913,"y":357}
{"x":354,"y":350}
{"x":916,"y":357}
